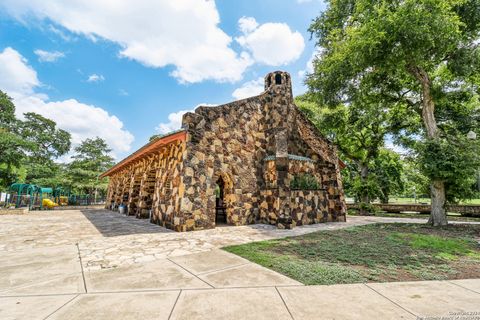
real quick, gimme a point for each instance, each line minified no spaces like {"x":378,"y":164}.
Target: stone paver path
{"x":101,"y":265}
{"x":107,"y":239}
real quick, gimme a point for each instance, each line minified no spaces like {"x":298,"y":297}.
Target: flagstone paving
{"x":107,"y":239}
{"x":97,"y":264}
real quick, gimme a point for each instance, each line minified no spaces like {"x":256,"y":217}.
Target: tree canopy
{"x":30,"y":149}
{"x":90,"y":160}
{"x":420,"y":58}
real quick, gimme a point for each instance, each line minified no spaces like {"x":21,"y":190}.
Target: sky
{"x":126,"y":70}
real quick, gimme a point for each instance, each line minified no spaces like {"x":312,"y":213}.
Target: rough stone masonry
{"x":234,"y":164}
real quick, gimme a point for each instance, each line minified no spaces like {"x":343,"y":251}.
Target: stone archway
{"x":224,"y":199}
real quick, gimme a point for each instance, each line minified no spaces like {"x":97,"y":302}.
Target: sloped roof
{"x":147,"y":149}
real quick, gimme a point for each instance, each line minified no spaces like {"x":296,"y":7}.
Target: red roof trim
{"x":147,"y":149}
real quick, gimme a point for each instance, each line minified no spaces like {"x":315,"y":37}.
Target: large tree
{"x":92,"y":158}
{"x":412,"y":52}
{"x":12,"y":145}
{"x":48,"y":143}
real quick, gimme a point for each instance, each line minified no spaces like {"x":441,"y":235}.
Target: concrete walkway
{"x":209,"y":285}
{"x":47,"y":271}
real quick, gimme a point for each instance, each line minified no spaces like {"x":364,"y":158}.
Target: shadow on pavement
{"x":112,"y":224}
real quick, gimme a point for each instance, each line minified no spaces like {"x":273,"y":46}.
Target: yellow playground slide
{"x":47,"y":203}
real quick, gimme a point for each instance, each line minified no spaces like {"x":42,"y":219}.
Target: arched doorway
{"x":220,"y":205}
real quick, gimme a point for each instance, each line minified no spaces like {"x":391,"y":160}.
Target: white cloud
{"x":123,"y":92}
{"x":309,"y":66}
{"x":249,"y":89}
{"x":247,"y":24}
{"x":175,"y":119}
{"x":48,"y":56}
{"x":95,"y":78}
{"x":61,"y":34}
{"x":273,"y":44}
{"x":174,"y":122}
{"x":156,"y":33}
{"x":83,"y":121}
{"x":15,"y":75}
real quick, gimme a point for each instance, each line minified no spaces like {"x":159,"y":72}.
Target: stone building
{"x":256,"y":160}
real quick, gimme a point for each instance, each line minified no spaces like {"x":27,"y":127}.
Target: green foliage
{"x":388,"y":170}
{"x":304,"y":182}
{"x":359,"y":131}
{"x":413,"y":180}
{"x":455,"y":160}
{"x":13,"y":147}
{"x":7,"y":111}
{"x":47,"y":143}
{"x":365,"y":40}
{"x":91,"y":159}
{"x":47,"y":140}
{"x":366,"y":188}
{"x":418,"y":59}
{"x":29,"y":149}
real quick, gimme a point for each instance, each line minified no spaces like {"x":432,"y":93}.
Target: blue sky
{"x":124,"y":70}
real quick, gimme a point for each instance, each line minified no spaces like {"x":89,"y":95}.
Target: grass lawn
{"x":395,"y":200}
{"x":426,"y":200}
{"x":378,"y":252}
{"x":451,"y":215}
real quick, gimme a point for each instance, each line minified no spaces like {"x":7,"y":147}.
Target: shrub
{"x":304,"y":182}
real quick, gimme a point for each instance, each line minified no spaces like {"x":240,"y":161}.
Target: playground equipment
{"x":61,"y":196}
{"x":43,"y":199}
{"x":20,"y":195}
{"x":49,"y":204}
{"x":38,"y":198}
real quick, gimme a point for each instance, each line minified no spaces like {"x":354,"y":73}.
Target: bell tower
{"x":279,"y":83}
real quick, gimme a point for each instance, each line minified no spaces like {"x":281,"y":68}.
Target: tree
{"x":413,"y":52}
{"x":48,"y":143}
{"x":13,"y":147}
{"x":7,"y":111}
{"x":388,"y":170}
{"x":414,"y":181}
{"x":90,"y":160}
{"x":358,"y":130}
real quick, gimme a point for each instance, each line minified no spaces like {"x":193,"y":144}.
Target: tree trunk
{"x":438,"y":216}
{"x":364,"y":198}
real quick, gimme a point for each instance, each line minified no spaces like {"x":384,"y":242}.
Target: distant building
{"x":256,"y":160}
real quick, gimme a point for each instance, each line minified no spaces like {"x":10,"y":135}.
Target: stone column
{"x":284,"y":220}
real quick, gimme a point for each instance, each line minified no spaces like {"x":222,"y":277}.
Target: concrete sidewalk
{"x":101,"y":265}
{"x":50,"y":284}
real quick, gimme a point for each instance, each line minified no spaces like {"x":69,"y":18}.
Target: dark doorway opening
{"x":220,"y":207}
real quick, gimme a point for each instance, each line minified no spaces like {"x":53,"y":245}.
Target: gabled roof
{"x":147,"y":149}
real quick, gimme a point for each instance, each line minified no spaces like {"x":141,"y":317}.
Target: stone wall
{"x":255,"y":146}
{"x":152,"y":187}
{"x":228,"y":142}
{"x":233,"y":141}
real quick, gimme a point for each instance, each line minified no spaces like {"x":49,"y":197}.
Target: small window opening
{"x":278,"y":78}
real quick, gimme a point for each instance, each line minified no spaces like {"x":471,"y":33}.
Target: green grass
{"x":426,"y":200}
{"x":451,"y":215}
{"x":402,"y":200}
{"x":380,"y":252}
